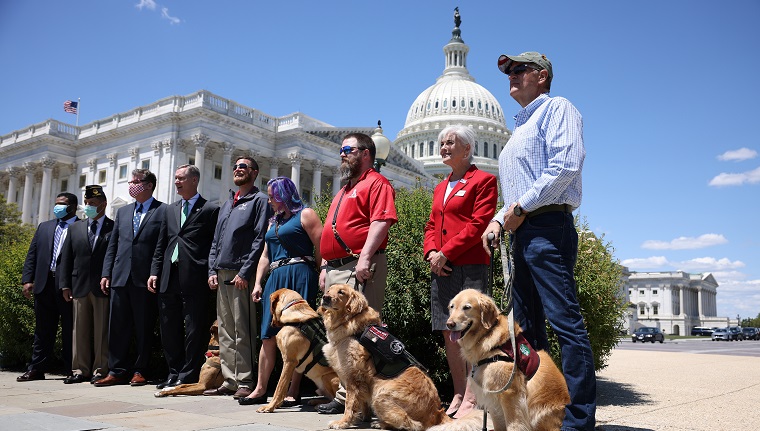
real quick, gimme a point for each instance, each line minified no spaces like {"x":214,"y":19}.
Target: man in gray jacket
{"x":235,"y":251}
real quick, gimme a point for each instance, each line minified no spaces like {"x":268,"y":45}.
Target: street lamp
{"x":382,"y":147}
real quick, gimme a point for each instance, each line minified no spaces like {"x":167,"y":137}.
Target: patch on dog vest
{"x":526,"y":358}
{"x":388,"y":352}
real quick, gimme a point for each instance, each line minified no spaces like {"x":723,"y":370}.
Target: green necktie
{"x":182,"y":218}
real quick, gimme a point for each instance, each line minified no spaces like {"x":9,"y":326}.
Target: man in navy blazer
{"x":80,"y":268}
{"x":38,"y":279}
{"x":126,"y":269}
{"x":182,"y":257}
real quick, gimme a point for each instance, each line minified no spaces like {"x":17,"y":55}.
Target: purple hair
{"x":284,"y":191}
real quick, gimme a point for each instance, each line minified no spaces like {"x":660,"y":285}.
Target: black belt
{"x":565,"y":208}
{"x":337,"y":263}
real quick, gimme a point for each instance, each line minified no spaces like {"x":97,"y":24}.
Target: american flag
{"x":70,"y":107}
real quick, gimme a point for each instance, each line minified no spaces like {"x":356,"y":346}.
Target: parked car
{"x":721,"y":334}
{"x":751,"y":333}
{"x":646,"y":333}
{"x":736,"y":333}
{"x":701,"y":331}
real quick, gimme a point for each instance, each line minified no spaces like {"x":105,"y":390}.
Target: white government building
{"x":210,"y":131}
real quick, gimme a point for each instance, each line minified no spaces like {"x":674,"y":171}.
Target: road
{"x":703,"y":346}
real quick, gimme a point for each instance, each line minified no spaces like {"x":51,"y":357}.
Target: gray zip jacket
{"x":239,"y":235}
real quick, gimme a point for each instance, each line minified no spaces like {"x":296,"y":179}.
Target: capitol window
{"x":422,"y":149}
{"x":431,"y":147}
{"x":454,"y":103}
{"x":480,"y":106}
{"x":471,"y":104}
{"x":485,"y":149}
{"x":436,"y":104}
{"x":495,"y":153}
{"x":445,"y":103}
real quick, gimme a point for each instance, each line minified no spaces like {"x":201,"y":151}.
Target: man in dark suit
{"x":38,"y":278}
{"x":126,"y":269}
{"x":182,"y":257}
{"x":80,"y":268}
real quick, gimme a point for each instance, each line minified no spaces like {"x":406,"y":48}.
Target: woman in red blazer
{"x":463,"y":205}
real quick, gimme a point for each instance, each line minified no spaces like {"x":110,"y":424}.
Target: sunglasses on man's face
{"x":241,"y":166}
{"x":520,"y":68}
{"x":347,"y":150}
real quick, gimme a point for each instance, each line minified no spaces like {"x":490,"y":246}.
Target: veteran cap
{"x":540,"y":60}
{"x":94,"y":191}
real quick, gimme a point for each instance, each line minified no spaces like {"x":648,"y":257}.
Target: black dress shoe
{"x":291,"y":403}
{"x":245,"y":401}
{"x":331,"y":408}
{"x":169,"y":382}
{"x":76,"y":378}
{"x":31,"y":375}
{"x":95,"y":378}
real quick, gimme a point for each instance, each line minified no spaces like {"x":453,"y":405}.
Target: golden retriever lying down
{"x":211,"y":371}
{"x":408,"y":401}
{"x":289,"y":311}
{"x":537,"y":403}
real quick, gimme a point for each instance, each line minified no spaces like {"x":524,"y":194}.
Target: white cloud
{"x":686,"y":243}
{"x":724,"y":179}
{"x":738,"y":155}
{"x":709,"y":264}
{"x":740,"y":297}
{"x":646,"y":263}
{"x":165,"y":14}
{"x":148,"y":4}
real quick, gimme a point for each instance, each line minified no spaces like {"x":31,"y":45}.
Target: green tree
{"x":16,"y":312}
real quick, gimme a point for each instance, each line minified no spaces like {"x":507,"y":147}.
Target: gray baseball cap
{"x":505,"y":61}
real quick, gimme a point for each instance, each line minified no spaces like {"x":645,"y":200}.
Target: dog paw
{"x":376,"y":425}
{"x":338,"y":425}
{"x":269,"y":408}
{"x":159,"y":394}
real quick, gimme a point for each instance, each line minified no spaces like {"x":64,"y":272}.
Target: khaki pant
{"x":90,"y":348}
{"x":237,"y":333}
{"x":373,"y":290}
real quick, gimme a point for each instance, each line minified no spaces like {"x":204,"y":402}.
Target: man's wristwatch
{"x":519,"y":211}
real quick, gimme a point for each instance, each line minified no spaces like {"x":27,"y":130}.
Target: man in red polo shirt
{"x":356,"y":231}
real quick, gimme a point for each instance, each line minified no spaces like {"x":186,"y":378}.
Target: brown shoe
{"x":110,"y":380}
{"x":138,"y":380}
{"x":221,"y":390}
{"x":242,"y":392}
{"x":31,"y":375}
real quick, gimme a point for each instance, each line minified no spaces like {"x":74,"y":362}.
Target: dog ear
{"x":488,"y":311}
{"x":356,"y":302}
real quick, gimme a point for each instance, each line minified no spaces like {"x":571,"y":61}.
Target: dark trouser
{"x":545,"y":251}
{"x":184,"y":325}
{"x":133,"y":313}
{"x":49,"y":306}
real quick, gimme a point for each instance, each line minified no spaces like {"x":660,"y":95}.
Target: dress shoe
{"x":247,"y":401}
{"x":169,"y":382}
{"x":111,"y":380}
{"x":31,"y":375}
{"x":95,"y":378}
{"x":138,"y":380}
{"x":291,"y":403}
{"x":331,"y":408}
{"x":242,"y":392}
{"x":221,"y":390}
{"x":76,"y":378}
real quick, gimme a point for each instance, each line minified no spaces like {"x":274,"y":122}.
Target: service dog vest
{"x":314,"y":331}
{"x":388,"y":352}
{"x":526,"y":358}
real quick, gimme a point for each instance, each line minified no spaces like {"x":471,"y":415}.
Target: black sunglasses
{"x":520,"y":68}
{"x":241,"y":166}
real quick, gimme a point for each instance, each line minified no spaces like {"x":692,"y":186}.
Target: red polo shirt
{"x":372,"y":198}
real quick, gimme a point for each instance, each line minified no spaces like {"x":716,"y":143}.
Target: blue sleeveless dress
{"x":301,"y":277}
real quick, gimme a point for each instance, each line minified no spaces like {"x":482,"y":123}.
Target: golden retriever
{"x":408,"y":401}
{"x":537,"y":403}
{"x":211,"y":371}
{"x":289,"y":309}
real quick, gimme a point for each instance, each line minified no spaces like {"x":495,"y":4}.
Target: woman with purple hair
{"x":290,"y":254}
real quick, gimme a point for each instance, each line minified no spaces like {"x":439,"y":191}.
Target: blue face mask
{"x":60,"y":211}
{"x":90,"y":211}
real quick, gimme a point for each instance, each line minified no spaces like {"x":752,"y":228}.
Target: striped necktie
{"x":57,"y":243}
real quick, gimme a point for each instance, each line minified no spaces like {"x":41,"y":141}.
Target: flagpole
{"x":79,"y":107}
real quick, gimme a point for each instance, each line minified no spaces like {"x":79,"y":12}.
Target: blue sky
{"x":666,"y":89}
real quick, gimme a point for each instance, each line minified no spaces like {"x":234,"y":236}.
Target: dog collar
{"x":526,"y":358}
{"x":292,"y":303}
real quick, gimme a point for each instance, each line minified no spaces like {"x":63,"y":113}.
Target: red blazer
{"x":455,"y":226}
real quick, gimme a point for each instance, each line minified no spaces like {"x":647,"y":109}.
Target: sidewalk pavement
{"x":638,"y":391}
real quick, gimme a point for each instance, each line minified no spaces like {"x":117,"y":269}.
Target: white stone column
{"x":316,"y":179}
{"x":336,"y":181}
{"x":200,"y":141}
{"x":47,"y":183}
{"x":274,"y":169}
{"x":13,"y":173}
{"x":26,"y":204}
{"x":681,"y":299}
{"x":227,"y":149}
{"x":295,"y":169}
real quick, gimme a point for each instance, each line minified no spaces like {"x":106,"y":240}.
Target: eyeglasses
{"x":348,"y":150}
{"x":520,"y":68}
{"x":136,"y":182}
{"x":241,"y":166}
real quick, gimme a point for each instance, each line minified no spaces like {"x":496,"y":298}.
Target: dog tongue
{"x":454,"y":336}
